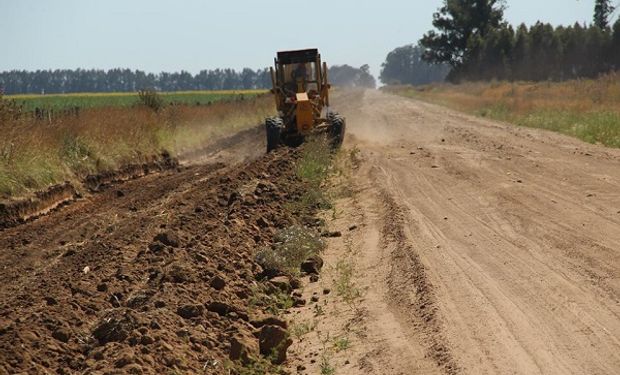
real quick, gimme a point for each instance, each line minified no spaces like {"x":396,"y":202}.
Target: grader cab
{"x":301,"y":91}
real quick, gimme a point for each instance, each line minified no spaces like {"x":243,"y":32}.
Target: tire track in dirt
{"x":410,"y":290}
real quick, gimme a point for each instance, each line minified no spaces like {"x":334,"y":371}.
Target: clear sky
{"x":166,"y":35}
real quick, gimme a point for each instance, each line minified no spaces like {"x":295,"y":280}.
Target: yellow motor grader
{"x":301,"y":92}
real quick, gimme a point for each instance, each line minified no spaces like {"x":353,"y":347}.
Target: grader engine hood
{"x":304,"y":113}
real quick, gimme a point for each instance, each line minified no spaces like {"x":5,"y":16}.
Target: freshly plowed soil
{"x":149,"y":276}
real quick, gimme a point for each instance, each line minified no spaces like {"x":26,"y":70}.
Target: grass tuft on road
{"x":585,"y":109}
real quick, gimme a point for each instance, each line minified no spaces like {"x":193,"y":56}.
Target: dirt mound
{"x":15,"y":212}
{"x":132,"y":171}
{"x":164,"y":280}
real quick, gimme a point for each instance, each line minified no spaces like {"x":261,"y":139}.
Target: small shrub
{"x":345,"y":286}
{"x":151,"y":99}
{"x":255,"y":366}
{"x":318,"y":310}
{"x":273,"y":303}
{"x":9,"y":110}
{"x":342,"y":343}
{"x":292,"y":246}
{"x":299,"y":330}
{"x":326,"y":367}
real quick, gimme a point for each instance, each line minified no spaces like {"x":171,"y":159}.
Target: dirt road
{"x":477,"y":247}
{"x":484,"y":248}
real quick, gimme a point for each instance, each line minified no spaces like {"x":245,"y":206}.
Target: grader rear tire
{"x":337,"y":129}
{"x":273,"y":127}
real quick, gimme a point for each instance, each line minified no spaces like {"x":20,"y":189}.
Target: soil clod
{"x":312,"y":265}
{"x":274,"y":342}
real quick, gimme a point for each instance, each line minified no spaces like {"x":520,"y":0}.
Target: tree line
{"x":472,"y":41}
{"x":126,"y":80}
{"x":542,"y":52}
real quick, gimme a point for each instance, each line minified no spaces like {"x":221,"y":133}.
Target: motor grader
{"x":301,"y":91}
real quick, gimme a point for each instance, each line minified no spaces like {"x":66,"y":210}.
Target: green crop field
{"x":93,"y":100}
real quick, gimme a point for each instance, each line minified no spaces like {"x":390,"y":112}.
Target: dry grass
{"x":35,"y":154}
{"x":587,"y":109}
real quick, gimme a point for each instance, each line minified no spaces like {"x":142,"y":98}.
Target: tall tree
{"x":366,"y":79}
{"x":615,"y":58}
{"x":404,"y":65}
{"x":602,"y":11}
{"x":348,"y":76}
{"x":458,"y":21}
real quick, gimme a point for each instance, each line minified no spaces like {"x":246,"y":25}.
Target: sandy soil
{"x":481,"y":248}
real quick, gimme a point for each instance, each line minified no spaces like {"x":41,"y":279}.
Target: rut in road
{"x":510,"y":234}
{"x":409,"y":285}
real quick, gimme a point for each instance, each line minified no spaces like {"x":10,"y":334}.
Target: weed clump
{"x":273,"y":302}
{"x":346,"y":288}
{"x":292,"y":246}
{"x":255,"y":366}
{"x":315,"y":162}
{"x":78,"y":154}
{"x":313,"y":168}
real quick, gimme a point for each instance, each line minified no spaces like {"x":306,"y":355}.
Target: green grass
{"x":342,"y":343}
{"x":274,"y":303}
{"x":315,"y":161}
{"x":299,"y":329}
{"x":593,"y":127}
{"x":326,"y":366}
{"x":313,"y":168}
{"x":255,"y":366}
{"x":96,"y":100}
